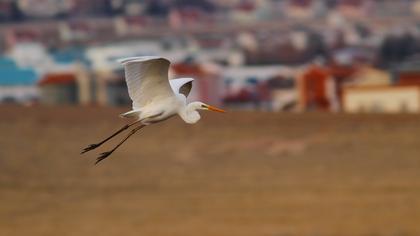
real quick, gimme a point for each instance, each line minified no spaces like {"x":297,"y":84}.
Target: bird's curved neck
{"x":189,"y":113}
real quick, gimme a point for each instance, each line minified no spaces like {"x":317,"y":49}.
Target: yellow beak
{"x":211,"y":108}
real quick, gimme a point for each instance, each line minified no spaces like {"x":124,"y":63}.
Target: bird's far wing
{"x":181,"y":85}
{"x":147,"y":79}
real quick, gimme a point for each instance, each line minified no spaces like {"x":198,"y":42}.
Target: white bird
{"x":155,"y":98}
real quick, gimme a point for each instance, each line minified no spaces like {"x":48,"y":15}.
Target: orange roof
{"x":188,"y":69}
{"x":64,"y":78}
{"x":409,"y":78}
{"x":342,"y":71}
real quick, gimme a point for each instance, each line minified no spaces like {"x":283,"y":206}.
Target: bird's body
{"x":164,"y":109}
{"x":155,"y":111}
{"x":155,"y":98}
{"x":162,"y":100}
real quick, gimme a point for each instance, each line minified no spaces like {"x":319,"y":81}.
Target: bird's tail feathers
{"x":131,"y":114}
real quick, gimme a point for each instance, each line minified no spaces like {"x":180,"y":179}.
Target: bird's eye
{"x":203,"y":106}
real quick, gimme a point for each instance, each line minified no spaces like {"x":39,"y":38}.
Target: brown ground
{"x":231,"y":174}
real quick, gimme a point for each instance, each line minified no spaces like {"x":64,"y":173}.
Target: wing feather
{"x":147,"y":79}
{"x":181,"y":85}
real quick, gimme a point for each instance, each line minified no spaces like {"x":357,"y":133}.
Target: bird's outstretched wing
{"x":181,"y":85}
{"x":147,"y":79}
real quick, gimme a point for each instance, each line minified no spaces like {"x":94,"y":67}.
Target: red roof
{"x":64,"y":78}
{"x":185,"y":69}
{"x":341,"y":72}
{"x":409,"y":78}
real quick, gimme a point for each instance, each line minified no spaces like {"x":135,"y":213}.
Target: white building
{"x":382,"y":99}
{"x":106,"y":57}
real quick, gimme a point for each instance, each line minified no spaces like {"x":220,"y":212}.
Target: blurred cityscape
{"x":286,"y":172}
{"x":275,"y":55}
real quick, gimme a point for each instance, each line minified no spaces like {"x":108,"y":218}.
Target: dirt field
{"x":233,"y":174}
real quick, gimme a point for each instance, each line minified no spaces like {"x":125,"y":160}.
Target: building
{"x":408,"y":73}
{"x":17,"y":85}
{"x":300,"y":9}
{"x":111,"y":88}
{"x":44,"y":8}
{"x":259,"y":87}
{"x":105,"y":57}
{"x":58,"y":89}
{"x":283,"y":93}
{"x":315,"y":87}
{"x":66,"y":87}
{"x":382,"y":99}
{"x":369,"y":76}
{"x":32,"y":55}
{"x":372,"y":90}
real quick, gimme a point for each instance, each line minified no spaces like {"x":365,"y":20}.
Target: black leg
{"x":95,"y":145}
{"x":104,"y":155}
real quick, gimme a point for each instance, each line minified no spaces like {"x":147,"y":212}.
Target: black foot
{"x":102,"y":156}
{"x":90,"y":147}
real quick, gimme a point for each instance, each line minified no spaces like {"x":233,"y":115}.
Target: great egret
{"x":155,"y":98}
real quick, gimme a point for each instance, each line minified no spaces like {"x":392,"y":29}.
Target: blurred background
{"x":321,"y":137}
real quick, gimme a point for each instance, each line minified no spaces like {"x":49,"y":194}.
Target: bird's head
{"x":203,"y":106}
{"x":191,"y":115}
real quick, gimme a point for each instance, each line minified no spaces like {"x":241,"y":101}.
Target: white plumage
{"x":154,"y":97}
{"x":147,"y":79}
{"x":178,"y":84}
